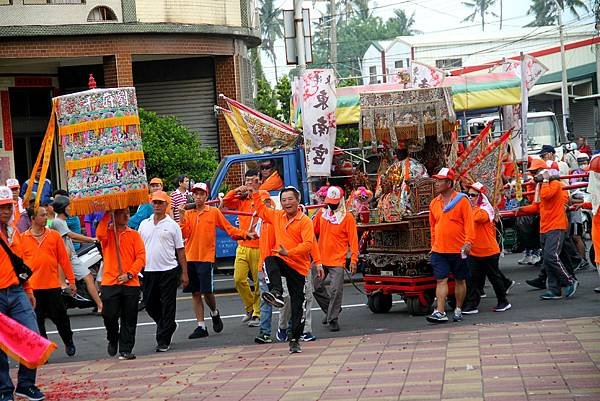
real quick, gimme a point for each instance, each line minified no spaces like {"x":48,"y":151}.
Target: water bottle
{"x":463,"y":255}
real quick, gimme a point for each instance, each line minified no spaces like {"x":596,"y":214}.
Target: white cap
{"x":6,"y":196}
{"x":12,"y":183}
{"x":200,"y":186}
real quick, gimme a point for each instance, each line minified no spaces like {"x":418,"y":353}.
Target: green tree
{"x":170,"y":149}
{"x":266,"y":98}
{"x":480,"y":8}
{"x":354,"y":36}
{"x":545,"y":11}
{"x":271,"y":28}
{"x":283,"y":90}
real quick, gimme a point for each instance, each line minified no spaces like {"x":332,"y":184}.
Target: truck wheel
{"x":415,"y":307}
{"x":380,"y":303}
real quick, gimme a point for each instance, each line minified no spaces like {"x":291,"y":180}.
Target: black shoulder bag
{"x":22,"y":271}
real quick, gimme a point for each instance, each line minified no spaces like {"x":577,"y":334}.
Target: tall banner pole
{"x":524,"y":108}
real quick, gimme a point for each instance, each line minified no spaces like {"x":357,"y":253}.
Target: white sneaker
{"x":525,"y":260}
{"x":247,"y":318}
{"x":533,"y":259}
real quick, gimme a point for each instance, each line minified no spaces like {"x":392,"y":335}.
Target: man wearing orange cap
{"x":199,"y":230}
{"x":485,"y":254}
{"x":247,"y":254}
{"x":166,"y":268}
{"x":550,"y":201}
{"x":271,"y":180}
{"x":337,"y":234}
{"x":145,"y":210}
{"x":452,"y":233}
{"x":16,"y":301}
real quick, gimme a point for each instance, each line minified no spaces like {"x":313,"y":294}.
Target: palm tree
{"x":271,"y":28}
{"x":481,"y":8}
{"x":545,"y":11}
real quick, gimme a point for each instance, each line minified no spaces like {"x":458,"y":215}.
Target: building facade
{"x":179,"y":54}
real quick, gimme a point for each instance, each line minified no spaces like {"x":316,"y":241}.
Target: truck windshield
{"x":542,"y":131}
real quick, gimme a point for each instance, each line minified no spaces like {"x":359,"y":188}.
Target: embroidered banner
{"x":319,"y":104}
{"x":102,"y":143}
{"x":24,"y":345}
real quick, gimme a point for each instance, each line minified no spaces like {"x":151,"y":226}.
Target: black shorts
{"x":201,"y":277}
{"x":445,"y":263}
{"x":576,"y":229}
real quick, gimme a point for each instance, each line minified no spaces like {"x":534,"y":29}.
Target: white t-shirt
{"x":161,"y":242}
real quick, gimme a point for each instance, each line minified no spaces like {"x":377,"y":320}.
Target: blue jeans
{"x":266,"y":310}
{"x":15,"y":304}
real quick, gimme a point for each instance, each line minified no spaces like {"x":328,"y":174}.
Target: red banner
{"x":6,"y":120}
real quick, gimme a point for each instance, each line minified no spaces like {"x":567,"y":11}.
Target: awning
{"x":540,"y":89}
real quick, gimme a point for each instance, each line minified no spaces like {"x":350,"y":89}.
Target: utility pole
{"x":299,"y":22}
{"x":564,"y":90}
{"x":333,"y":35}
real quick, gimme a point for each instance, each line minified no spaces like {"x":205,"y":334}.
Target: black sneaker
{"x":111,"y":349}
{"x":334,"y":325}
{"x":7,"y":396}
{"x":199,"y":332}
{"x":162,"y":348}
{"x":295,"y":347}
{"x":32,"y":393}
{"x":324,"y":321}
{"x":470,"y":311}
{"x":217,"y":322}
{"x":70,"y":349}
{"x":273,"y":299}
{"x":126,"y":356}
{"x":501,"y":307}
{"x":263,"y":339}
{"x":509,"y":285}
{"x":537,"y":283}
{"x":597,"y":290}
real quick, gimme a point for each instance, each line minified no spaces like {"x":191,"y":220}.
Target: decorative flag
{"x":468,"y":154}
{"x":319,"y":120}
{"x":255,"y":132}
{"x":513,"y":117}
{"x":102,"y":142}
{"x":24,"y":345}
{"x":425,"y":76}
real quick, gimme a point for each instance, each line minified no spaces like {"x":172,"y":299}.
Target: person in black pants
{"x":166,"y":269}
{"x":120,"y":283}
{"x":485,"y":254}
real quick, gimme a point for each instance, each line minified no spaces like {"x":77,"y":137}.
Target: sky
{"x":430,"y":16}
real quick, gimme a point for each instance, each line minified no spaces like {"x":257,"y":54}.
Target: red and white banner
{"x":319,"y":104}
{"x":425,"y":76}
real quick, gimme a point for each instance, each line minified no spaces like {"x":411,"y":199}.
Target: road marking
{"x":208,"y":318}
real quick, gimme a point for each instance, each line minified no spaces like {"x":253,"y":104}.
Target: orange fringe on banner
{"x":72,"y":165}
{"x":24,"y":345}
{"x":96,"y":125}
{"x":119,"y":200}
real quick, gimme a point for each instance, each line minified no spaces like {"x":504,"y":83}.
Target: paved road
{"x":355,"y":320}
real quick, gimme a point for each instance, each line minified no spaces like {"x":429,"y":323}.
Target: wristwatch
{"x":129,"y":276}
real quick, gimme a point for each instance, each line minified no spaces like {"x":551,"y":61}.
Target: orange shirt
{"x":131,"y":251}
{"x":296,"y":235}
{"x":485,"y":243}
{"x":266,"y":243}
{"x":551,"y":207}
{"x":199,"y":228}
{"x":8,"y":278}
{"x":335,"y":239}
{"x":450,"y":230}
{"x":44,"y":257}
{"x":272,"y":183}
{"x":233,"y":201}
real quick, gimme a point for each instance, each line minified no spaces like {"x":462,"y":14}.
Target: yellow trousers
{"x":246,"y":261}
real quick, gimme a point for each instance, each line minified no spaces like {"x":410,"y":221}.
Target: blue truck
{"x":292,"y":168}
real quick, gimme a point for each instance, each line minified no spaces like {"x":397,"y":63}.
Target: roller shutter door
{"x":582,"y":114}
{"x":191,"y":101}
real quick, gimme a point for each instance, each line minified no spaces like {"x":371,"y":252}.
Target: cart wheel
{"x":415,"y":307}
{"x":592,"y":255}
{"x":380,"y":303}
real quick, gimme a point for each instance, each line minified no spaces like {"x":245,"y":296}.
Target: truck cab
{"x":292,"y":168}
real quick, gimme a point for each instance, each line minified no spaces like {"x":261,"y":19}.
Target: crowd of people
{"x":172,"y":240}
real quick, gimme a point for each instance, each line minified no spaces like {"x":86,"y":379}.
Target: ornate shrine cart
{"x":395,"y":244}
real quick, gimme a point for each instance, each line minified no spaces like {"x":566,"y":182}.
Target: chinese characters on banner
{"x":318,"y":120}
{"x":534,"y":69}
{"x":424,"y":76}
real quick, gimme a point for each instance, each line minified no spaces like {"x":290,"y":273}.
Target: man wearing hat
{"x":166,"y":268}
{"x":19,"y":210}
{"x":550,"y":201}
{"x":271,"y":180}
{"x":199,"y":228}
{"x":452,"y":233}
{"x":336,"y":232}
{"x":16,"y":301}
{"x":46,"y":189}
{"x":145,"y":210}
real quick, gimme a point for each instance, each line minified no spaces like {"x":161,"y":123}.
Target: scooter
{"x":91,"y":256}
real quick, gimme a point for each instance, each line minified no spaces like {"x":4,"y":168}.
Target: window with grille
{"x":399,"y":64}
{"x":372,"y":74}
{"x":101,"y":13}
{"x":449,"y":63}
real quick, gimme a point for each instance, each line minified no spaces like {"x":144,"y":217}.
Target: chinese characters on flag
{"x":318,"y":120}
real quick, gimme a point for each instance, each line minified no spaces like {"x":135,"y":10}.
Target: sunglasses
{"x":472,"y":195}
{"x":269,"y":167}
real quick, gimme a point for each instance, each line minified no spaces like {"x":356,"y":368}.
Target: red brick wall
{"x":118,"y":70}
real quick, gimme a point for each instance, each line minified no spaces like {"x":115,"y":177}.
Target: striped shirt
{"x":178,"y":199}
